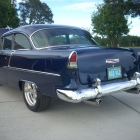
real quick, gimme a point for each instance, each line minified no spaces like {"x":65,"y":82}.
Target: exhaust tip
{"x":133,"y":90}
{"x":98,"y":102}
{"x":95,"y":102}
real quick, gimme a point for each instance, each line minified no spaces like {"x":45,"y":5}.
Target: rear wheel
{"x":33,"y":99}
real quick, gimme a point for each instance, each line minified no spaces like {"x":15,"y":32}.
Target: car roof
{"x":30,"y":29}
{"x":2,"y":31}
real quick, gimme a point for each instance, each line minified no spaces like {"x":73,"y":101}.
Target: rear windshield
{"x":59,"y":37}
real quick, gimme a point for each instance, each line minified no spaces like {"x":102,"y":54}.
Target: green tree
{"x":8,"y":15}
{"x":130,"y":7}
{"x":124,"y":41}
{"x":12,"y":1}
{"x":34,"y":12}
{"x":109,"y":21}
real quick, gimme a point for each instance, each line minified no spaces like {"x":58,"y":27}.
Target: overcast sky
{"x":78,"y":13}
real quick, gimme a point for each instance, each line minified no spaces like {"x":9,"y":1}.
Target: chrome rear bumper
{"x":76,"y":96}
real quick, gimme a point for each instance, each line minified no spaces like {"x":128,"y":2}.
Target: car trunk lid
{"x":100,"y":62}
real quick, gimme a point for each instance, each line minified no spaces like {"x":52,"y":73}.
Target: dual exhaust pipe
{"x":95,"y":102}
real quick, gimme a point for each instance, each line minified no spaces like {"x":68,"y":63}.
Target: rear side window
{"x":21,"y":42}
{"x":7,"y":42}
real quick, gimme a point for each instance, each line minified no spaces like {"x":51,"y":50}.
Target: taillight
{"x":72,"y":62}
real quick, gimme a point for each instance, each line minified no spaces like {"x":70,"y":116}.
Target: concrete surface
{"x":118,"y":118}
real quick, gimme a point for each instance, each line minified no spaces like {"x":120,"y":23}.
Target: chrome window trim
{"x":32,"y":71}
{"x":1,"y":44}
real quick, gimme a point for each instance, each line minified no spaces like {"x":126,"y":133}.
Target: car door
{"x":5,"y":54}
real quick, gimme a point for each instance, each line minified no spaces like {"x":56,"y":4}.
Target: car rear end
{"x":99,"y":72}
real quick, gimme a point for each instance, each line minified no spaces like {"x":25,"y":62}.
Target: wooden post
{"x":133,"y":45}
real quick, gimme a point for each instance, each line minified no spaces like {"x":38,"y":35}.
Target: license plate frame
{"x":114,"y":73}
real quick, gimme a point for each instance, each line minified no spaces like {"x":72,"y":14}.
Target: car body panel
{"x":4,"y":61}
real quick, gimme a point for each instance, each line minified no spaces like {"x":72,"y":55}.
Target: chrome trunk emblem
{"x":112,"y":61}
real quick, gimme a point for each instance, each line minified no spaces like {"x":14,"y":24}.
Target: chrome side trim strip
{"x":32,"y":71}
{"x":10,"y":58}
{"x":76,"y":96}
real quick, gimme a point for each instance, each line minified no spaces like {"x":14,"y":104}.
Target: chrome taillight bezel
{"x":72,"y":65}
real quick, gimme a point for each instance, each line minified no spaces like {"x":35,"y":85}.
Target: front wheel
{"x":33,"y":99}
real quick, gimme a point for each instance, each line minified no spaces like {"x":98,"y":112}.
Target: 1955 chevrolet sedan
{"x":55,"y":61}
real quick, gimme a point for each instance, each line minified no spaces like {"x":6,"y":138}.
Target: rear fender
{"x":136,"y":52}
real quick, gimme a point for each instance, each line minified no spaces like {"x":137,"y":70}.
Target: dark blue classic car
{"x":55,"y":61}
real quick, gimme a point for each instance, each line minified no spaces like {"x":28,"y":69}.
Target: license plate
{"x":114,"y":73}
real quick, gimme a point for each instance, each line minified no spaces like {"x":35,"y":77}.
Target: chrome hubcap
{"x":30,"y":93}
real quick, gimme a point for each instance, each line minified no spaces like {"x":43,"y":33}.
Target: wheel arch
{"x":21,"y":81}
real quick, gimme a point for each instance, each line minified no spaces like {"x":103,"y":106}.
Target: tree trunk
{"x":112,"y":41}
